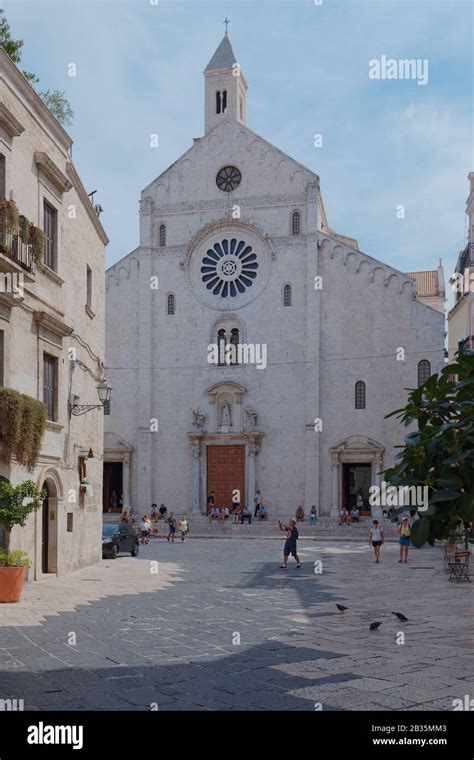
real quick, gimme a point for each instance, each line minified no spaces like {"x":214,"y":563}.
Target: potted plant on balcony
{"x":8,"y":216}
{"x":16,"y":503}
{"x":38,"y":240}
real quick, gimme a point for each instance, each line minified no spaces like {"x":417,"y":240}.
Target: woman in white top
{"x":376,"y":539}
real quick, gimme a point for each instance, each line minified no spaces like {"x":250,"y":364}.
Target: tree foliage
{"x":55,"y":100}
{"x":440,"y":454}
{"x":16,"y":503}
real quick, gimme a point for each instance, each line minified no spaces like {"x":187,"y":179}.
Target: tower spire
{"x":225,"y":86}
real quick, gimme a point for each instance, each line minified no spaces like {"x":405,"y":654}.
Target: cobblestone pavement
{"x":220,"y":626}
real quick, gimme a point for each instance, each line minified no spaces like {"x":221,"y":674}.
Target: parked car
{"x":118,"y":537}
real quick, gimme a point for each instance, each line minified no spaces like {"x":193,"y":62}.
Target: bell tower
{"x":225,"y":87}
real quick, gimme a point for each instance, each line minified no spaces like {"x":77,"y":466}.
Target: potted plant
{"x":12,"y":574}
{"x":16,"y":503}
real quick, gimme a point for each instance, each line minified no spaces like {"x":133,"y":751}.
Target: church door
{"x":225,"y":472}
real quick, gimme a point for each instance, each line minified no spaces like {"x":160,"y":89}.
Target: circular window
{"x":229,"y":268}
{"x":228,"y":179}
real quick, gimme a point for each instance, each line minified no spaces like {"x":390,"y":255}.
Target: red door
{"x":225,"y":472}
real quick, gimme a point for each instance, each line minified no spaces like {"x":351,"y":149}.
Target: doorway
{"x":112,"y":492}
{"x":226,"y":472}
{"x":356,"y":481}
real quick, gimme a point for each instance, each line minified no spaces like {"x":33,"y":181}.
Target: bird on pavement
{"x":400,"y":616}
{"x":374,"y":626}
{"x":341,"y":608}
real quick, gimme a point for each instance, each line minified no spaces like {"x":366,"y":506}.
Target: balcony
{"x":12,"y":247}
{"x":466,"y":258}
{"x":21,"y":242}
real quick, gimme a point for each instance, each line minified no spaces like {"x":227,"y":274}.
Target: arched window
{"x":218,"y":101}
{"x":221,"y":341}
{"x":235,"y":340}
{"x":360,"y":395}
{"x":170,"y":304}
{"x":162,"y":235}
{"x":296,"y":223}
{"x":287,"y":295}
{"x":224,"y":101}
{"x":424,"y":371}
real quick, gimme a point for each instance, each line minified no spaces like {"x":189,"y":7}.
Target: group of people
{"x":148,"y":527}
{"x":349,"y":516}
{"x":300,"y":514}
{"x":238,"y":512}
{"x":376,"y":539}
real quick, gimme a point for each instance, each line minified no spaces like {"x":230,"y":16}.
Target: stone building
{"x":249,"y":344}
{"x":461,"y":316}
{"x":52,"y":317}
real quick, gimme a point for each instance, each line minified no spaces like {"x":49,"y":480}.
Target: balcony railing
{"x":12,"y":246}
{"x":467,"y":257}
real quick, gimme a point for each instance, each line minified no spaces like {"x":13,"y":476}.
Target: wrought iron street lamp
{"x":104,"y":391}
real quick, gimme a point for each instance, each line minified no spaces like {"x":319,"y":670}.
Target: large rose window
{"x":229,"y":268}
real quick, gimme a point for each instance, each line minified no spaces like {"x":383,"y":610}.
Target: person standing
{"x":257,"y":500}
{"x":113,"y":503}
{"x":290,"y":543}
{"x":211,"y":501}
{"x":404,"y":540}
{"x":172,"y":527}
{"x":376,"y":539}
{"x":144,"y":530}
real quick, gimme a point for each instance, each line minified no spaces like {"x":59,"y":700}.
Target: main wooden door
{"x":225,"y":472}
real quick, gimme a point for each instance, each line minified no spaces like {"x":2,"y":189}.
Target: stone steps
{"x":327,"y":528}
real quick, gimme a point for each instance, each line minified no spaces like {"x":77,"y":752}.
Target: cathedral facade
{"x":249,"y":345}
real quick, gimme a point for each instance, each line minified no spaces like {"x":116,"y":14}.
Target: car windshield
{"x":109,"y":529}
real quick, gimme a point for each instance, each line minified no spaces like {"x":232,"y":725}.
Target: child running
{"x":290,"y":543}
{"x":183,"y":527}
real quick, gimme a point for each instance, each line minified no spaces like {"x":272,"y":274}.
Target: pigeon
{"x":374,"y":626}
{"x":341,"y":608}
{"x":400,"y":616}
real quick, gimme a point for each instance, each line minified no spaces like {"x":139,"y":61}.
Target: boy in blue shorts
{"x":290,"y":543}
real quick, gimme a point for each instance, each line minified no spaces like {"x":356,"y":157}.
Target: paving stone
{"x":141,"y":641}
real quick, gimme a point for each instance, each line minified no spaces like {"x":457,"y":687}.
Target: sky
{"x":386,"y":143}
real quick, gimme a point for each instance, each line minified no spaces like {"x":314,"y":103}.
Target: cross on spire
{"x":226,"y":22}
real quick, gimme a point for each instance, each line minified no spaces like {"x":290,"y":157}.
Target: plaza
{"x":221,"y":627}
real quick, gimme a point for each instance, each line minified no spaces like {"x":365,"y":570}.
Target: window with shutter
{"x":50,"y":216}
{"x":49,"y":385}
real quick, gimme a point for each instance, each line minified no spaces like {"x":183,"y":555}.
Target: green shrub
{"x":14,"y":558}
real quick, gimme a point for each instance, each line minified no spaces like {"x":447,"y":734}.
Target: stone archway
{"x":47,"y":524}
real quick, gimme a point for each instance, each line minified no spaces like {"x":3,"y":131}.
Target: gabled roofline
{"x":211,"y":131}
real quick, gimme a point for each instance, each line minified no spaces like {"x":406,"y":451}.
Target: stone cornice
{"x":88,"y":207}
{"x":52,"y":324}
{"x":252,"y":202}
{"x":53,"y":172}
{"x":10,"y":124}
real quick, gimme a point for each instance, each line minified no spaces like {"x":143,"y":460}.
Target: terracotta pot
{"x":11,"y":583}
